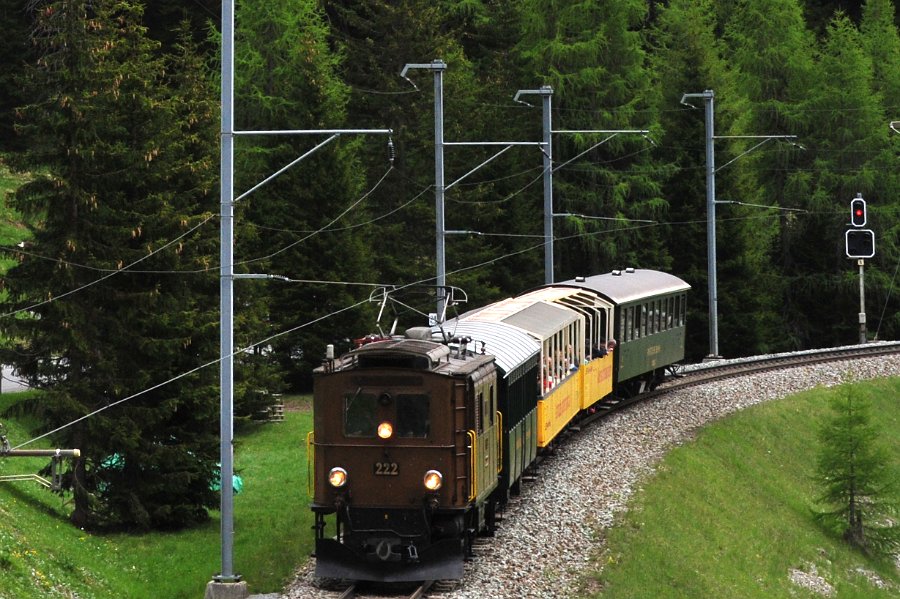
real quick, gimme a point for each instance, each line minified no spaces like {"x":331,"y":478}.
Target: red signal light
{"x":858,"y":212}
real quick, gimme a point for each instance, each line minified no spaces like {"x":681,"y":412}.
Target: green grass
{"x":42,"y":555}
{"x":730,"y":514}
{"x":11,"y":229}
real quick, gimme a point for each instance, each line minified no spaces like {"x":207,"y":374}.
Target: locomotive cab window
{"x":413,"y":413}
{"x":360,"y":414}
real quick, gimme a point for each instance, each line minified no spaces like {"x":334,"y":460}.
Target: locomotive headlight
{"x":433,"y":480}
{"x":385,"y":430}
{"x":337,"y":477}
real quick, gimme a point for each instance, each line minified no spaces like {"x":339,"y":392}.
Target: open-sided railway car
{"x":418,"y":439}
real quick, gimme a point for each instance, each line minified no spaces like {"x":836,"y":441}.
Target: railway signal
{"x":858,"y":242}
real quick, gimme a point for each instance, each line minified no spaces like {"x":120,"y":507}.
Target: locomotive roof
{"x":421,"y":354}
{"x":509,"y":345}
{"x":433,"y":351}
{"x":629,"y":285}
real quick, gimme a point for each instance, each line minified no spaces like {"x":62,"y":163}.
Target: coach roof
{"x":629,"y":285}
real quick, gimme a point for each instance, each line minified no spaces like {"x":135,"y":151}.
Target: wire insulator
{"x":391,"y":150}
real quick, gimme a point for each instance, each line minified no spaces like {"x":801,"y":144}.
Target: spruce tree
{"x":123,"y":175}
{"x":853,"y":471}
{"x":772,"y":54}
{"x":847,"y":133}
{"x":688,"y":58}
{"x":592,"y":54}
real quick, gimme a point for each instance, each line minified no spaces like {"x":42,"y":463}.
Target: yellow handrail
{"x":310,"y":463}
{"x":499,"y":442}
{"x":473,"y":485}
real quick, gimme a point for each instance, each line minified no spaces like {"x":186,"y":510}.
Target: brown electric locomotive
{"x":407,"y":433}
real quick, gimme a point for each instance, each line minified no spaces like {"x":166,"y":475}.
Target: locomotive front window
{"x":413,"y":413}
{"x":360,"y":414}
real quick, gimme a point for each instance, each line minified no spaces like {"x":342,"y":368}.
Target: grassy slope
{"x":41,"y":555}
{"x":729,"y":515}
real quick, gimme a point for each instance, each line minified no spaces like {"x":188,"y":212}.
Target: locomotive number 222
{"x":387,"y":469}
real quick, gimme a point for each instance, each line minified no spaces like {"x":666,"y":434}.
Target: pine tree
{"x":125,"y":173}
{"x":853,"y":470}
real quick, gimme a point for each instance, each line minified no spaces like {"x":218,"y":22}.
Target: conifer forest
{"x":110,"y":114}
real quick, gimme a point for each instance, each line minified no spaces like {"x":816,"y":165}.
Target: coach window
{"x":629,"y":324}
{"x":642,"y":330}
{"x":492,"y":403}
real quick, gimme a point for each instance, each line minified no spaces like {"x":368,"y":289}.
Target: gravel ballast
{"x":551,"y":530}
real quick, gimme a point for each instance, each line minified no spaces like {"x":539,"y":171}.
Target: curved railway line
{"x":680,"y":379}
{"x":713,"y":371}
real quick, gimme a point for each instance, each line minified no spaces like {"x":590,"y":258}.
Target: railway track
{"x":718,"y":370}
{"x":359,"y":590}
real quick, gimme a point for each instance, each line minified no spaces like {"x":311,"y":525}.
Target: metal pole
{"x":42,"y":453}
{"x":862,"y":301}
{"x":547,"y":95}
{"x":227,"y":584}
{"x":708,"y":97}
{"x":440,"y":256}
{"x":226,"y":306}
